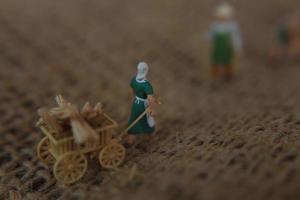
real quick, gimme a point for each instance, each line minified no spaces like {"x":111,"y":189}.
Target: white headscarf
{"x":142,"y":71}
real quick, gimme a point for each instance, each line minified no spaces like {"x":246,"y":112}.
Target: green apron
{"x":222,"y":53}
{"x":141,"y":89}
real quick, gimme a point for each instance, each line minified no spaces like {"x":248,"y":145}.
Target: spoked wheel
{"x":112,"y":156}
{"x":43,"y":151}
{"x":70,"y":168}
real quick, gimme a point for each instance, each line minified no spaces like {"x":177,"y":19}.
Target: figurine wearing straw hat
{"x":226,"y":41}
{"x":141,"y":120}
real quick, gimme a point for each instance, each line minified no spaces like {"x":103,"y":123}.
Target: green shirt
{"x":141,"y":88}
{"x":282,"y":34}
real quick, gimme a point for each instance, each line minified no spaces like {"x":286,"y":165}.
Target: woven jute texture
{"x":236,"y":141}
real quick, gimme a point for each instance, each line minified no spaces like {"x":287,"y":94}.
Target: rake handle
{"x":123,"y":133}
{"x":132,"y":124}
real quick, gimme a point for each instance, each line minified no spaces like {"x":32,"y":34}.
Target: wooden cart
{"x":69,"y":159}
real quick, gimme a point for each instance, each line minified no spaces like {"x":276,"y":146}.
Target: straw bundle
{"x":68,"y":116}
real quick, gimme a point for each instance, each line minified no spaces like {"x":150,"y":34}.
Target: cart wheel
{"x":70,"y":167}
{"x":111,"y":156}
{"x":43,"y":151}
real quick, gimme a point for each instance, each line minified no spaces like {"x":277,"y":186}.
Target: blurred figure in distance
{"x":287,"y":45}
{"x":226,"y":41}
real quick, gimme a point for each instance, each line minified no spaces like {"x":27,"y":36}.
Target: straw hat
{"x":224,"y":10}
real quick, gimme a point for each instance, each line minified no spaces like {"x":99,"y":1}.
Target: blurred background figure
{"x":226,"y":40}
{"x":287,"y":44}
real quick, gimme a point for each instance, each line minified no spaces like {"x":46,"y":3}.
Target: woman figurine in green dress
{"x":226,"y":41}
{"x":143,"y":99}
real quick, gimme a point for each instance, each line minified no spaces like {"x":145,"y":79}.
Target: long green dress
{"x":226,"y":38}
{"x":141,"y":89}
{"x":222,"y":48}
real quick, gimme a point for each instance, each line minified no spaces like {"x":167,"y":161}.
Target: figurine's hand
{"x":239,"y":53}
{"x":151,"y":112}
{"x":238,"y":61}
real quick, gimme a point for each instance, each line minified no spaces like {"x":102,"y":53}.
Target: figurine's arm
{"x":151,"y":101}
{"x":209,"y":34}
{"x":237,"y":37}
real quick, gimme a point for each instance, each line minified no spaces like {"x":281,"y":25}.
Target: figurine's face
{"x":223,"y":18}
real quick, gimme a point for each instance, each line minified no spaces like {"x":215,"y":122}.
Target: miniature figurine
{"x":141,"y":120}
{"x":287,"y":40}
{"x":226,"y":42}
